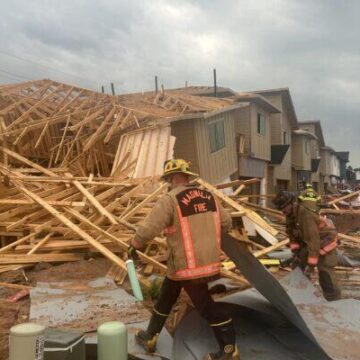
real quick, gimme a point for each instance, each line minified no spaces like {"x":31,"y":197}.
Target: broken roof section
{"x":74,"y":128}
{"x":221,"y":92}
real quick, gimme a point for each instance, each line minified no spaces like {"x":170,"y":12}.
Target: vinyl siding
{"x":280,"y":123}
{"x":325,"y":162}
{"x":283,"y":171}
{"x":300,"y":159}
{"x":260,"y":144}
{"x":185,"y":144}
{"x":214,"y":167}
{"x":242,"y":125}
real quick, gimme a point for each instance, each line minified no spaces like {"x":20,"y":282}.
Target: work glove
{"x":131,"y":253}
{"x":308,"y":271}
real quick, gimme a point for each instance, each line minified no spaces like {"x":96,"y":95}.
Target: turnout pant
{"x":327,"y":277}
{"x":199,"y":294}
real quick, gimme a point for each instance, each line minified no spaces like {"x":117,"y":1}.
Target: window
{"x":285,"y":138}
{"x":261,"y":129}
{"x":306,"y":146}
{"x":216,"y":135}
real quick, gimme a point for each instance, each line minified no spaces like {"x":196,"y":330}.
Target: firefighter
{"x":192,"y":220}
{"x":313,"y":241}
{"x":310,"y":198}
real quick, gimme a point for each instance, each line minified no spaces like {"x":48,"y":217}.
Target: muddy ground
{"x":14,"y":313}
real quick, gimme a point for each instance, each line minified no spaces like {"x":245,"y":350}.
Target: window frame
{"x":306,"y":145}
{"x":216,"y":135}
{"x":285,"y":138}
{"x":261,"y":130}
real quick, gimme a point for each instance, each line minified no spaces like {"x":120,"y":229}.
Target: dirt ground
{"x":14,"y":313}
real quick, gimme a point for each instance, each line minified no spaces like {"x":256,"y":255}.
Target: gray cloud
{"x":309,"y":46}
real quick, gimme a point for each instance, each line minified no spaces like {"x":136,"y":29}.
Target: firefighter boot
{"x":225,"y":335}
{"x":148,"y":338}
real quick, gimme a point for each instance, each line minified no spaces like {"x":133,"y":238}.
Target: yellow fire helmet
{"x":174,"y":166}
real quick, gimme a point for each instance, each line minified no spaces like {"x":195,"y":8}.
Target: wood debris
{"x":77,"y":175}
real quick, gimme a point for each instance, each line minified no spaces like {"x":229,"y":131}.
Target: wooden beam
{"x":50,"y":202}
{"x":40,"y":244}
{"x":27,"y":162}
{"x":36,"y":258}
{"x":106,"y":252}
{"x":144,"y":202}
{"x":345,"y":197}
{"x":253,"y":216}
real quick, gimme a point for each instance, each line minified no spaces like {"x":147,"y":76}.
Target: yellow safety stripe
{"x":309,"y":198}
{"x":222,"y":323}
{"x":159,"y":313}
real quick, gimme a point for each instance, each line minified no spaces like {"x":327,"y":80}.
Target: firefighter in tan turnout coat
{"x":313,"y":238}
{"x":192,"y":220}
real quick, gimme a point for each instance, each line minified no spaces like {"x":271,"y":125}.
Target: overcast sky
{"x":312,"y":47}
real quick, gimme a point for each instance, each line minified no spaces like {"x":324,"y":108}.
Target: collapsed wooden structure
{"x":68,"y":184}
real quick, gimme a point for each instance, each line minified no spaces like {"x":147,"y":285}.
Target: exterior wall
{"x":297,"y":151}
{"x":214,"y":167}
{"x":249,"y":167}
{"x":260,"y":145}
{"x":279,"y":124}
{"x":301,"y":159}
{"x":315,"y":176}
{"x":185,"y":144}
{"x":242,"y":125}
{"x":314,"y":154}
{"x":325,"y":162}
{"x":283,"y":171}
{"x":357,"y":175}
{"x":334,"y":165}
{"x":276,"y":120}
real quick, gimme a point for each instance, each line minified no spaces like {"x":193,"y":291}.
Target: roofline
{"x":316,"y":123}
{"x":259,"y":99}
{"x":201,"y":115}
{"x":282,"y":90}
{"x":301,"y":132}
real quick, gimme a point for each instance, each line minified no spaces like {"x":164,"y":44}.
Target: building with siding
{"x":301,"y":158}
{"x":314,"y":127}
{"x":253,"y":138}
{"x":329,"y":167}
{"x":281,"y":124}
{"x":207,"y":140}
{"x":343,"y":157}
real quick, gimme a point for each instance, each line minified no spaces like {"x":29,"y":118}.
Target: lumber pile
{"x":64,"y":126}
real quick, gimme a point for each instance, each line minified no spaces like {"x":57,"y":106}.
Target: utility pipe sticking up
{"x":215,"y":86}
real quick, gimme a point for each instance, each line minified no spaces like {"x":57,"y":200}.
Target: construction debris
{"x":80,"y":170}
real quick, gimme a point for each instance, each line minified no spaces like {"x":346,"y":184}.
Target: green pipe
{"x":112,"y":341}
{"x":134,"y":280}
